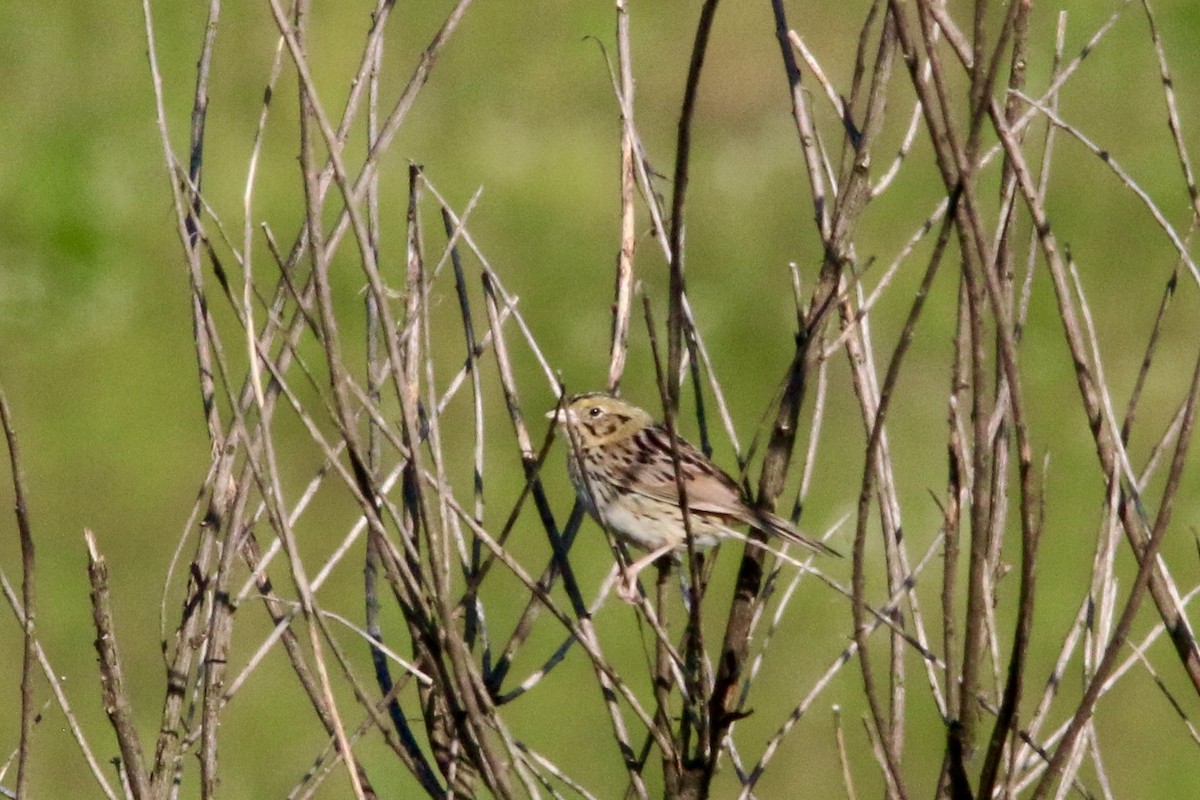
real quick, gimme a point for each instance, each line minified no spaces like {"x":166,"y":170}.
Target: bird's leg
{"x":627,"y":589}
{"x":609,"y":581}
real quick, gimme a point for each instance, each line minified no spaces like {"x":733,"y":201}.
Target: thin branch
{"x":28,"y":598}
{"x":112,"y":680}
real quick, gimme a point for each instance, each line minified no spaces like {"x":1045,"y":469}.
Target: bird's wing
{"x":651,"y":472}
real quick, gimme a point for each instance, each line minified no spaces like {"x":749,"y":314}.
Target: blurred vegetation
{"x":96,"y":351}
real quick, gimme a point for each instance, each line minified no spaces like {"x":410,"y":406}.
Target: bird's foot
{"x":627,"y":588}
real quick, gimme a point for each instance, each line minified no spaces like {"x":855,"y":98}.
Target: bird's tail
{"x":787,"y":531}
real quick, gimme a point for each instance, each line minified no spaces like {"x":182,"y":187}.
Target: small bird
{"x":620,"y":463}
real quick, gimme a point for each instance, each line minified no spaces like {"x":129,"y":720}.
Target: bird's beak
{"x":561,"y":416}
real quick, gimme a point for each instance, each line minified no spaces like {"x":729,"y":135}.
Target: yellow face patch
{"x":600,"y":418}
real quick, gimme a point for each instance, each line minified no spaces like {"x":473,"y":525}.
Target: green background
{"x":97,"y":359}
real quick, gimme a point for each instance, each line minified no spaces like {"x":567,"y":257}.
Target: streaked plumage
{"x":620,"y":463}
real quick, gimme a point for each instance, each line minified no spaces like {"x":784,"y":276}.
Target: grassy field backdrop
{"x":96,"y":348}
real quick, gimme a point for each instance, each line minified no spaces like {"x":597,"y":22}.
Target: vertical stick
{"x":683,"y":151}
{"x":28,"y":598}
{"x":622,"y":307}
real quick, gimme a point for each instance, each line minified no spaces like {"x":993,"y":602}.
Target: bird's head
{"x":598,"y":418}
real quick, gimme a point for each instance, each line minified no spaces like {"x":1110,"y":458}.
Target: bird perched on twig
{"x":620,"y":463}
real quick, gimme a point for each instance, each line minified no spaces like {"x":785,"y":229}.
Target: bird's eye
{"x":595,"y":411}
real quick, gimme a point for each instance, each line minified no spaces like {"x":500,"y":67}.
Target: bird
{"x":619,"y":461}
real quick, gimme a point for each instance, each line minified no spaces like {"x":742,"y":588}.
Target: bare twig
{"x":116,"y":700}
{"x":28,"y":597}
